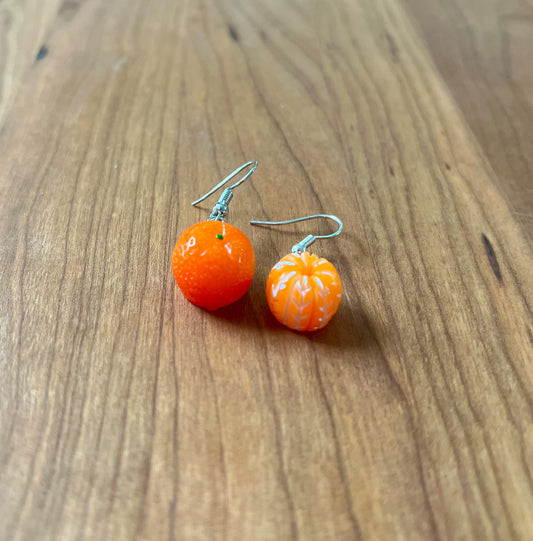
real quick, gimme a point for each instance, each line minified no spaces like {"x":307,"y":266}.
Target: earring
{"x":214,"y":262}
{"x":303,"y":290}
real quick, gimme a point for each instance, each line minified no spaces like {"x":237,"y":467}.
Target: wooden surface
{"x":127,"y":413}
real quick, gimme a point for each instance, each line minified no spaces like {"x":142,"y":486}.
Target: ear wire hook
{"x":220,"y":210}
{"x":305,"y":243}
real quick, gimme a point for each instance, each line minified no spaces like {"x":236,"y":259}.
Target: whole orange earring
{"x":213,"y":262}
{"x":303,"y":290}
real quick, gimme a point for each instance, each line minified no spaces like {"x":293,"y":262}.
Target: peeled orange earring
{"x":303,"y":290}
{"x":214,"y":262}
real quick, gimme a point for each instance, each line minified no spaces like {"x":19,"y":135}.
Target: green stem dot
{"x":219,"y":236}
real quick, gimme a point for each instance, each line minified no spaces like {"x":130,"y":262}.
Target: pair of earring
{"x":214,"y":263}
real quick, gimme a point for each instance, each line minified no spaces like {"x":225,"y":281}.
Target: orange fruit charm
{"x":303,"y":291}
{"x":213,"y":263}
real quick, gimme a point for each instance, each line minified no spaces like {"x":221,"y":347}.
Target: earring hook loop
{"x":305,"y":243}
{"x":220,"y":210}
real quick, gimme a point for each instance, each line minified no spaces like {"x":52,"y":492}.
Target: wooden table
{"x":128,"y":413}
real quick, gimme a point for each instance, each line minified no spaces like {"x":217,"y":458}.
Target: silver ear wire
{"x":305,"y":243}
{"x":220,"y":210}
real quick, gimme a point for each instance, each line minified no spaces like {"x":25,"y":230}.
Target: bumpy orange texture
{"x":213,"y":263}
{"x":303,"y":291}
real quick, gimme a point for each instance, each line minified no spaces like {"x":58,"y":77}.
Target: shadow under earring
{"x":303,"y":290}
{"x":214,"y":262}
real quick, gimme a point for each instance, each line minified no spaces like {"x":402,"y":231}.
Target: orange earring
{"x":214,"y":262}
{"x":303,"y":290}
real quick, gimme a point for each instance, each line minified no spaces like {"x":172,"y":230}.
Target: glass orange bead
{"x":213,"y":263}
{"x":303,"y":291}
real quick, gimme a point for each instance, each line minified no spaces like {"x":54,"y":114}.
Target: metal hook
{"x":220,"y":210}
{"x":305,"y":243}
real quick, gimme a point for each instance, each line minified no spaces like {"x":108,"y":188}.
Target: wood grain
{"x":484,"y":52}
{"x":24,"y":24}
{"x":128,"y":413}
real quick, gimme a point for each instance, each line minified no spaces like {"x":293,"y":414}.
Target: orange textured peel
{"x":213,"y":263}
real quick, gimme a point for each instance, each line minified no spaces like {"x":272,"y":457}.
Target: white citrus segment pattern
{"x":304,"y":291}
{"x":299,"y":299}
